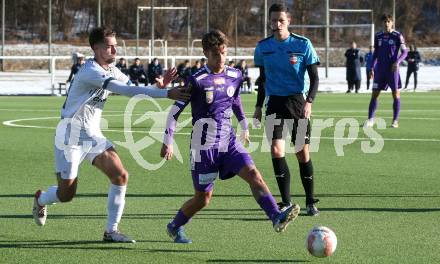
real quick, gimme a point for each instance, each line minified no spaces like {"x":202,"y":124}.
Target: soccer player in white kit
{"x":78,"y":134}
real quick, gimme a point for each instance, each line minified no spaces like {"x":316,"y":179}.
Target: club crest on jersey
{"x":230,"y":91}
{"x":209,"y":94}
{"x":293,"y":59}
{"x":209,"y":97}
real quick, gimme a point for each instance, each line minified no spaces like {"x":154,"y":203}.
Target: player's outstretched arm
{"x":169,"y":76}
{"x":121,"y":88}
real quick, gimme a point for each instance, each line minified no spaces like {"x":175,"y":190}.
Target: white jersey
{"x":87,"y":95}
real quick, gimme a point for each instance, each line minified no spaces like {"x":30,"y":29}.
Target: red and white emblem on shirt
{"x":293,"y":59}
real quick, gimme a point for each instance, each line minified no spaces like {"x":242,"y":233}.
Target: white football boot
{"x":117,"y":237}
{"x":39,"y":212}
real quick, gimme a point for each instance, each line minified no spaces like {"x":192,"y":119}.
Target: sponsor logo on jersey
{"x":379,"y":42}
{"x":219,"y":81}
{"x":232,"y":74}
{"x":391,"y":42}
{"x":230,"y":91}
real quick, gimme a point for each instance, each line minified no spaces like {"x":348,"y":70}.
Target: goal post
{"x":152,"y":8}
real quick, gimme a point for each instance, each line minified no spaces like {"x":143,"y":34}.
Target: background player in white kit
{"x":78,"y":135}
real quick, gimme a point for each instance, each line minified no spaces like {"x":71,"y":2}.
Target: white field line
{"x":12,"y":123}
{"x":248,"y":113}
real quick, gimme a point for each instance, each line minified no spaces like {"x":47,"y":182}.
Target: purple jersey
{"x":214,"y":99}
{"x":386,"y":50}
{"x":386,"y":53}
{"x":214,"y":150}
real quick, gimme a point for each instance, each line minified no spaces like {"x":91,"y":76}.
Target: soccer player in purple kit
{"x":386,"y":60}
{"x":214,"y":151}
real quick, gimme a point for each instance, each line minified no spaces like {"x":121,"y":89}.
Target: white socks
{"x":49,"y":197}
{"x":115,"y":206}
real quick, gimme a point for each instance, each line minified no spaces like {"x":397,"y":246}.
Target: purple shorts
{"x":213,"y":162}
{"x":383,"y":81}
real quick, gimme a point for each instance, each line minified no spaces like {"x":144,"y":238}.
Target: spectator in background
{"x":413,"y":60}
{"x":369,"y":65}
{"x":231,"y":64}
{"x":76,"y":66}
{"x":353,"y":65}
{"x":137,"y":73}
{"x":242,"y":66}
{"x":122,"y":66}
{"x":202,"y":62}
{"x":183,"y":71}
{"x":196,"y":67}
{"x":154,"y":71}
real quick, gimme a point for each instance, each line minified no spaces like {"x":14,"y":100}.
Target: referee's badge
{"x":293,"y":59}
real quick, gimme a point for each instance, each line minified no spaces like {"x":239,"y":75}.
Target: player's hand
{"x":170,"y":76}
{"x":257,"y":117}
{"x":372,"y":75}
{"x":394,"y":67}
{"x":244,"y":137}
{"x":179,"y":94}
{"x":166,"y":151}
{"x":307,"y":110}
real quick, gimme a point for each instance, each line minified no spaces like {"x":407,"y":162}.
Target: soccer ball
{"x":321,"y":242}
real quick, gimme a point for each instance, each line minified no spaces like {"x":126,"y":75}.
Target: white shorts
{"x":69,"y":157}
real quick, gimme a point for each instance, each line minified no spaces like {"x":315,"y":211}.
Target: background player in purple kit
{"x":214,"y":150}
{"x":386,"y":60}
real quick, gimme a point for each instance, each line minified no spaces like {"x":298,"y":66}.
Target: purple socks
{"x":269,"y":205}
{"x":372,"y":108}
{"x":179,"y":220}
{"x":396,"y":109}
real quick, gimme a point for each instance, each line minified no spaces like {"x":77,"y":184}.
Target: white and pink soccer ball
{"x":321,"y":242}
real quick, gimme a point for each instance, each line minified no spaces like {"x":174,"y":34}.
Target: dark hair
{"x":278,"y":8}
{"x":214,"y":39}
{"x":386,"y":17}
{"x":98,"y":35}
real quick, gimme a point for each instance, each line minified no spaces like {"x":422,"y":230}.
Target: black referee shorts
{"x":287,"y":109}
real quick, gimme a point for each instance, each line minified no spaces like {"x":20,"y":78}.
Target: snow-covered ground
{"x":39,"y":82}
